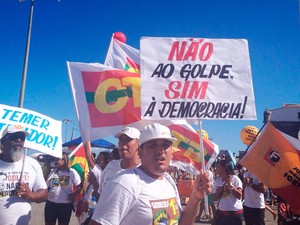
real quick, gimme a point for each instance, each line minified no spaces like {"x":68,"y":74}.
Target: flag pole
{"x":25,"y":65}
{"x":203,"y":164}
{"x":24,"y":75}
{"x":110,"y":48}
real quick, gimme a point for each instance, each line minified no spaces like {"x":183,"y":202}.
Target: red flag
{"x":112,"y":94}
{"x":275,"y":160}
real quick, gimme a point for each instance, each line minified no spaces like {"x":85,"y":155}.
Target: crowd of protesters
{"x":238,"y":197}
{"x":133,"y":183}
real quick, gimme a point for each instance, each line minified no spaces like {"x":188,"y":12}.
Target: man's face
{"x":156,"y":156}
{"x":127,"y":147}
{"x":13,"y":145}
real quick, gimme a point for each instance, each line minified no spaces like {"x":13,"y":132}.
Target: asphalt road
{"x":38,"y":216}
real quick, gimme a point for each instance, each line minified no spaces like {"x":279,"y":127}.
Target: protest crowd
{"x":159,"y":173}
{"x":136,"y":185}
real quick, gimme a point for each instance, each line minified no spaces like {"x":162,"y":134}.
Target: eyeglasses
{"x":16,"y":136}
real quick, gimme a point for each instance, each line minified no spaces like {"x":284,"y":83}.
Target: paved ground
{"x":269,"y":220}
{"x":38,"y":216}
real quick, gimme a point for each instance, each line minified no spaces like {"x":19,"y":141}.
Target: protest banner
{"x":196,"y":78}
{"x":274,"y":157}
{"x":45,"y":132}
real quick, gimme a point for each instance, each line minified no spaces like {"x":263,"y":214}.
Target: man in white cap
{"x":128,"y":150}
{"x":147,"y":194}
{"x":22,"y":178}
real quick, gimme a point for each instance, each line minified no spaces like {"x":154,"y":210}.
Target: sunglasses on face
{"x":16,"y":136}
{"x":63,"y":159}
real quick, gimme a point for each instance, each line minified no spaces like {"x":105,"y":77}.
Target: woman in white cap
{"x":147,"y":194}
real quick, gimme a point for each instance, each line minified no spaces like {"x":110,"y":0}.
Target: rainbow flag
{"x":188,"y":154}
{"x":274,"y":157}
{"x":122,"y":56}
{"x":78,"y":161}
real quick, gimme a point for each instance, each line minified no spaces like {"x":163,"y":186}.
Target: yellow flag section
{"x":274,"y":159}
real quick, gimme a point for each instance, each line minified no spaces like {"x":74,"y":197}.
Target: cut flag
{"x":78,"y":161}
{"x":187,"y":155}
{"x":274,"y":157}
{"x":122,"y":56}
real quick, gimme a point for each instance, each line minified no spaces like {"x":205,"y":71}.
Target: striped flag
{"x":274,"y":157}
{"x":188,"y":155}
{"x":78,"y":161}
{"x":123,"y":56}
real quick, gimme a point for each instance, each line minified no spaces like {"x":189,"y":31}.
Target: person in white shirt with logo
{"x":147,"y":194}
{"x":21,"y":178}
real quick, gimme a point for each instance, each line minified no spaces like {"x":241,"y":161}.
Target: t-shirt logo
{"x":3,"y":178}
{"x":165,"y":211}
{"x":64,"y":180}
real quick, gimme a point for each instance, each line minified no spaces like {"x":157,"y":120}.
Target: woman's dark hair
{"x":115,"y":154}
{"x":106,"y":156}
{"x":65,"y":157}
{"x":228,"y":165}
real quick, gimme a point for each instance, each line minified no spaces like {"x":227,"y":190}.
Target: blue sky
{"x":80,"y":31}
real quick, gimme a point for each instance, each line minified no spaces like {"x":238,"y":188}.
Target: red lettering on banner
{"x":197,"y":50}
{"x":187,"y":89}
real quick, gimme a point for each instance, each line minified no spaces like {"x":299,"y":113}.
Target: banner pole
{"x":23,"y":165}
{"x":203,"y":164}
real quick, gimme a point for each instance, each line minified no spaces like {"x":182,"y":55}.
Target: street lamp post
{"x":66,"y":121}
{"x":24,"y":75}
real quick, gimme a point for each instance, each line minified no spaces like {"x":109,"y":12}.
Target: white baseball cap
{"x":14,"y":128}
{"x":155,"y":131}
{"x":130,"y":132}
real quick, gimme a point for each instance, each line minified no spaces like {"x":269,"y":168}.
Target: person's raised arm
{"x":89,"y":156}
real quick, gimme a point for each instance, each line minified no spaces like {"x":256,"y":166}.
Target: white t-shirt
{"x":61,"y":185}
{"x":133,"y":197}
{"x":110,"y":170}
{"x":228,"y":202}
{"x":97,"y":171}
{"x":14,"y":209}
{"x":252,"y":198}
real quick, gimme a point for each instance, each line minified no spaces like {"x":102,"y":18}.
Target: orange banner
{"x":276,"y":162}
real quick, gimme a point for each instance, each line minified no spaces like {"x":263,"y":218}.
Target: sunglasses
{"x":16,"y":136}
{"x":57,"y":159}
